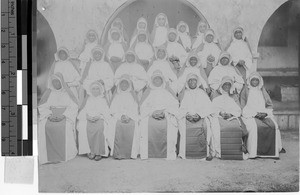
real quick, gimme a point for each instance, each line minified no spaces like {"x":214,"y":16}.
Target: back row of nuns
{"x":123,"y":103}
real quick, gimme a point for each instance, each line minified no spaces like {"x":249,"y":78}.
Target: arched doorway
{"x":176,"y":10}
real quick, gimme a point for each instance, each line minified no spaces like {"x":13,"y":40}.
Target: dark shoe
{"x":98,"y":157}
{"x":209,"y":158}
{"x":244,"y":149}
{"x":282,"y":150}
{"x":91,"y":156}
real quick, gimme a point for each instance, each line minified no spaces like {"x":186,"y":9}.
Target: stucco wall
{"x":70,"y":19}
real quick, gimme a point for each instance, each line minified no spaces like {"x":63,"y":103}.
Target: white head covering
{"x":142,"y":19}
{"x":97,"y":84}
{"x":155,"y":74}
{"x":201,"y":22}
{"x":259,"y":77}
{"x":199,"y":36}
{"x":98,"y":48}
{"x":133,"y":53}
{"x":187,"y":29}
{"x":226,"y":79}
{"x":192,"y":76}
{"x":173,"y":30}
{"x":161,"y":48}
{"x":192,"y":54}
{"x":124,"y":77}
{"x":226,"y":55}
{"x":161,"y":15}
{"x":112,"y":30}
{"x":209,"y":32}
{"x":91,"y":31}
{"x":239,"y":28}
{"x":56,"y":55}
{"x":144,"y":33}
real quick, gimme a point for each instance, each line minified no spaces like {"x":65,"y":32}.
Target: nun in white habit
{"x":141,"y":25}
{"x":184,"y":37}
{"x":124,"y":130}
{"x":196,"y":115}
{"x":93,"y":120}
{"x":162,"y":64}
{"x":158,"y":124}
{"x":210,"y":54}
{"x":225,"y":68}
{"x":90,"y":42}
{"x":56,"y":122}
{"x":136,"y":72}
{"x":198,"y":40}
{"x":159,"y":35}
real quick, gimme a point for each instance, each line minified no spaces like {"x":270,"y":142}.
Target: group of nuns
{"x":159,"y":95}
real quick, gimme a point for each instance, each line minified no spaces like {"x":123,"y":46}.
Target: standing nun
{"x":184,"y":37}
{"x":125,"y":135}
{"x":99,"y":70}
{"x":69,"y":71}
{"x":57,"y":117}
{"x":264,"y":138}
{"x":117,"y":23}
{"x":159,"y":35}
{"x":158,"y":125}
{"x":136,"y":72}
{"x":115,"y":48}
{"x":143,"y":49}
{"x":141,"y":25}
{"x":93,"y":120}
{"x":225,"y":68}
{"x":240,"y":52}
{"x":162,"y":64}
{"x":198,"y":40}
{"x":210,"y":53}
{"x":195,"y":120}
{"x":90,"y":42}
{"x":176,"y":52}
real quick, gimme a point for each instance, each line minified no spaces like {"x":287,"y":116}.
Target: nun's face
{"x":182,"y":28}
{"x":202,"y":27}
{"x":97,"y":55}
{"x":238,"y":34}
{"x":226,"y":86}
{"x":62,"y":54}
{"x":161,"y":21}
{"x":142,"y":37}
{"x":192,"y":83}
{"x":92,"y":37}
{"x":157,"y":81}
{"x":172,"y":36}
{"x":95,"y":91}
{"x":224,"y":61}
{"x":209,"y":38}
{"x":130,"y":58}
{"x":161,"y":54}
{"x":124,"y":85}
{"x":115,"y":36}
{"x":193,"y":61}
{"x":56,"y":84}
{"x":142,"y":25}
{"x":254,"y":82}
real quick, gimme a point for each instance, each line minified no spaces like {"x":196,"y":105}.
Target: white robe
{"x":95,"y":106}
{"x":198,"y":41}
{"x":209,"y":49}
{"x":176,"y":50}
{"x":185,"y":39}
{"x":58,"y":99}
{"x":116,"y":49}
{"x":144,"y":51}
{"x":161,"y":36}
{"x":167,"y":72}
{"x":134,"y":70}
{"x":197,"y":102}
{"x":124,"y":104}
{"x":217,"y":73}
{"x":86,"y":54}
{"x":160,"y":99}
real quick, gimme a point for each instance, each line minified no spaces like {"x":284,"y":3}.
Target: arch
{"x":131,"y":10}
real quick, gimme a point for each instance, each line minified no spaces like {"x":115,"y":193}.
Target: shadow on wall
{"x":176,"y":10}
{"x":46,"y":48}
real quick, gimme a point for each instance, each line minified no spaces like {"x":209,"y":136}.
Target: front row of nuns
{"x":126,"y":127}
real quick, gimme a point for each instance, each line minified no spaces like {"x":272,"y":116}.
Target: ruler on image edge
{"x":16,"y":78}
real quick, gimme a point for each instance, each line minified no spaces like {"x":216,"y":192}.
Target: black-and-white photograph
{"x":168,"y":95}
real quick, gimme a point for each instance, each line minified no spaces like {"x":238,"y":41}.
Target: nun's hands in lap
{"x":92,"y":119}
{"x":115,"y":59}
{"x":210,"y":58}
{"x":261,"y":115}
{"x":189,"y":117}
{"x":226,"y":115}
{"x":242,"y":62}
{"x":158,"y":114}
{"x":56,"y":118}
{"x":125,"y":119}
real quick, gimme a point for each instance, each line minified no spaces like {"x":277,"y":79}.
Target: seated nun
{"x":240,"y":52}
{"x":159,"y":34}
{"x":162,"y":64}
{"x":158,"y":124}
{"x":115,"y":48}
{"x":125,"y":135}
{"x":143,"y":49}
{"x":69,"y":70}
{"x":117,"y":23}
{"x":137,"y":73}
{"x":192,"y":65}
{"x":195,"y":118}
{"x":210,"y":53}
{"x":93,"y":120}
{"x":56,"y":126}
{"x":229,"y":112}
{"x":176,"y":52}
{"x":184,"y":37}
{"x":99,"y":70}
{"x":141,"y":25}
{"x":264,"y":139}
{"x":225,"y":68}
{"x":90,"y":42}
